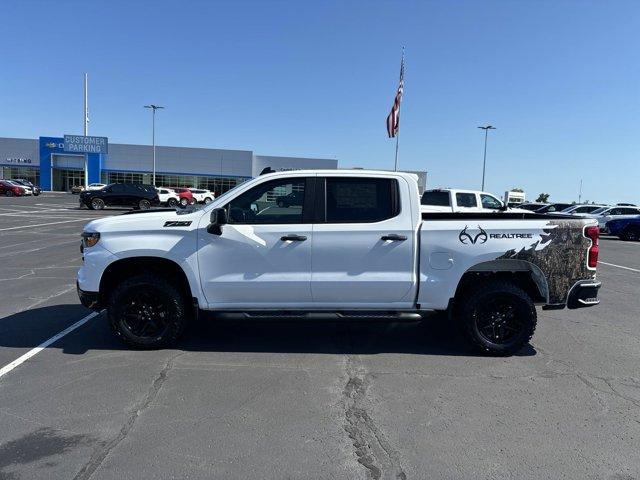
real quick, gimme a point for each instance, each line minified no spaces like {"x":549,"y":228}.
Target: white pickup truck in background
{"x":454,"y":200}
{"x":353,"y":245}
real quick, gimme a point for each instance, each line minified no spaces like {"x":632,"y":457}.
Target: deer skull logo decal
{"x":469,"y":239}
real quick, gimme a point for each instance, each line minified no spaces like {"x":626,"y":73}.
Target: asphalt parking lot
{"x":314,"y":400}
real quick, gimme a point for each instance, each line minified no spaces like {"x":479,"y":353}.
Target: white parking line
{"x":45,"y":224}
{"x":20,"y":360}
{"x":620,"y":266}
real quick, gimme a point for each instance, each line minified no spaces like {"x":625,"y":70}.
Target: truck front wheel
{"x":147,"y":312}
{"x":499,"y":318}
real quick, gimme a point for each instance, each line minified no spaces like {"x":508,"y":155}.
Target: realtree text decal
{"x":479,"y":236}
{"x":511,"y":235}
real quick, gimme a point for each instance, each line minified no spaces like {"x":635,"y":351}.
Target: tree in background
{"x":542,"y":198}
{"x":517,"y":190}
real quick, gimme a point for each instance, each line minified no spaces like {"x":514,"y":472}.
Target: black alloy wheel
{"x":147,"y":312}
{"x":144,"y":204}
{"x":498,"y":317}
{"x":97,"y":204}
{"x":8,"y":193}
{"x":146,"y":315}
{"x":172,"y":202}
{"x":498,"y":321}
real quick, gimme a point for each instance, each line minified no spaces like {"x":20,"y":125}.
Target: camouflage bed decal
{"x":560,"y":254}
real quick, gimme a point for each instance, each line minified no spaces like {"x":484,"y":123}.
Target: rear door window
{"x":361,"y":200}
{"x":467,"y":200}
{"x":439,"y":199}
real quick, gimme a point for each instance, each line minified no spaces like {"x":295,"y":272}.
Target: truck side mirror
{"x":217,"y":218}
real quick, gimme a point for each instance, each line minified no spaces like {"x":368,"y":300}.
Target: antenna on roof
{"x":267,"y":170}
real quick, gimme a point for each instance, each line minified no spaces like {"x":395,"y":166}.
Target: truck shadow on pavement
{"x":434,"y":336}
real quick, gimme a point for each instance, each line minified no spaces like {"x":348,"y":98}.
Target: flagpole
{"x":395,"y":166}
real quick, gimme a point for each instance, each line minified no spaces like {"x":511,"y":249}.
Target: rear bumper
{"x":584,"y":294}
{"x":89,"y":299}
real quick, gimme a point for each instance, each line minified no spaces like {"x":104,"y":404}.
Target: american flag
{"x":393,"y":120}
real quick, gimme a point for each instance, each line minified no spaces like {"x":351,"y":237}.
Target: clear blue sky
{"x":559,"y":79}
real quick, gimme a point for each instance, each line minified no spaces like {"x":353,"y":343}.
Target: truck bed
{"x":553,"y":248}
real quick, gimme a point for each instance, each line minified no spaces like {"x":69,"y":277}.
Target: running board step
{"x":364,"y":316}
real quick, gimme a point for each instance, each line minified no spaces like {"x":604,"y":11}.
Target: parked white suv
{"x":168,"y":196}
{"x":453,"y":200}
{"x":202,"y":196}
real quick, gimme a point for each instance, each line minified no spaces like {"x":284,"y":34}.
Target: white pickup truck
{"x":353,"y":246}
{"x":455,"y":200}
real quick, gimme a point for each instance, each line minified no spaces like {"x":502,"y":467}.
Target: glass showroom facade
{"x":27,"y":173}
{"x":218,"y":185}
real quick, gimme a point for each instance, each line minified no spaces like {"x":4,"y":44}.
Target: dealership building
{"x":45,"y":162}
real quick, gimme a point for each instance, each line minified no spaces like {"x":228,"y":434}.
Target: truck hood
{"x":147,"y":220}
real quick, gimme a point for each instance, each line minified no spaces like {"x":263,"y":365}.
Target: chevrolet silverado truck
{"x":353,"y":245}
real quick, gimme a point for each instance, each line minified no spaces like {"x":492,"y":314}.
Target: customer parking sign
{"x":82,"y":144}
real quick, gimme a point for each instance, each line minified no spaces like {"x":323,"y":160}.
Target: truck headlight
{"x":89,"y":239}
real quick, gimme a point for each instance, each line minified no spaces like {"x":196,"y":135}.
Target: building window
{"x":126,"y":177}
{"x":27,"y":173}
{"x":218,"y":185}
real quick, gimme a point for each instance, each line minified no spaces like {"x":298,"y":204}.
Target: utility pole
{"x":484,"y":161}
{"x":153,"y":137}
{"x":580,"y":193}
{"x":86,"y":128}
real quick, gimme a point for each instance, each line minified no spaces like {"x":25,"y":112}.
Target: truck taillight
{"x":592,"y":233}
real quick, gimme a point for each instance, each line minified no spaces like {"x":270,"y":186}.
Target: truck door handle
{"x":293,"y":238}
{"x":393,"y":237}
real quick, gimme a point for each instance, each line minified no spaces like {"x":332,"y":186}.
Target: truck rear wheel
{"x":147,"y":312}
{"x":499,"y":318}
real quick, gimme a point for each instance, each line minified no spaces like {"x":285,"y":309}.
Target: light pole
{"x":484,"y":161}
{"x":153,"y":137}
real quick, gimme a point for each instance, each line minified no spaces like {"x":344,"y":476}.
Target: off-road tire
{"x":477,"y":306}
{"x":135,"y":293}
{"x":96,"y":204}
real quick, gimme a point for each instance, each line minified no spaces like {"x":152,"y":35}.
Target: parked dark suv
{"x":133,"y":195}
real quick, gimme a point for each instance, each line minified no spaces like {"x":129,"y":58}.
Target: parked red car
{"x":11,"y":190}
{"x":185,"y":195}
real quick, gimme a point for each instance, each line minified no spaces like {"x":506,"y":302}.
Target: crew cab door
{"x":363,"y":243}
{"x":262,"y":259}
